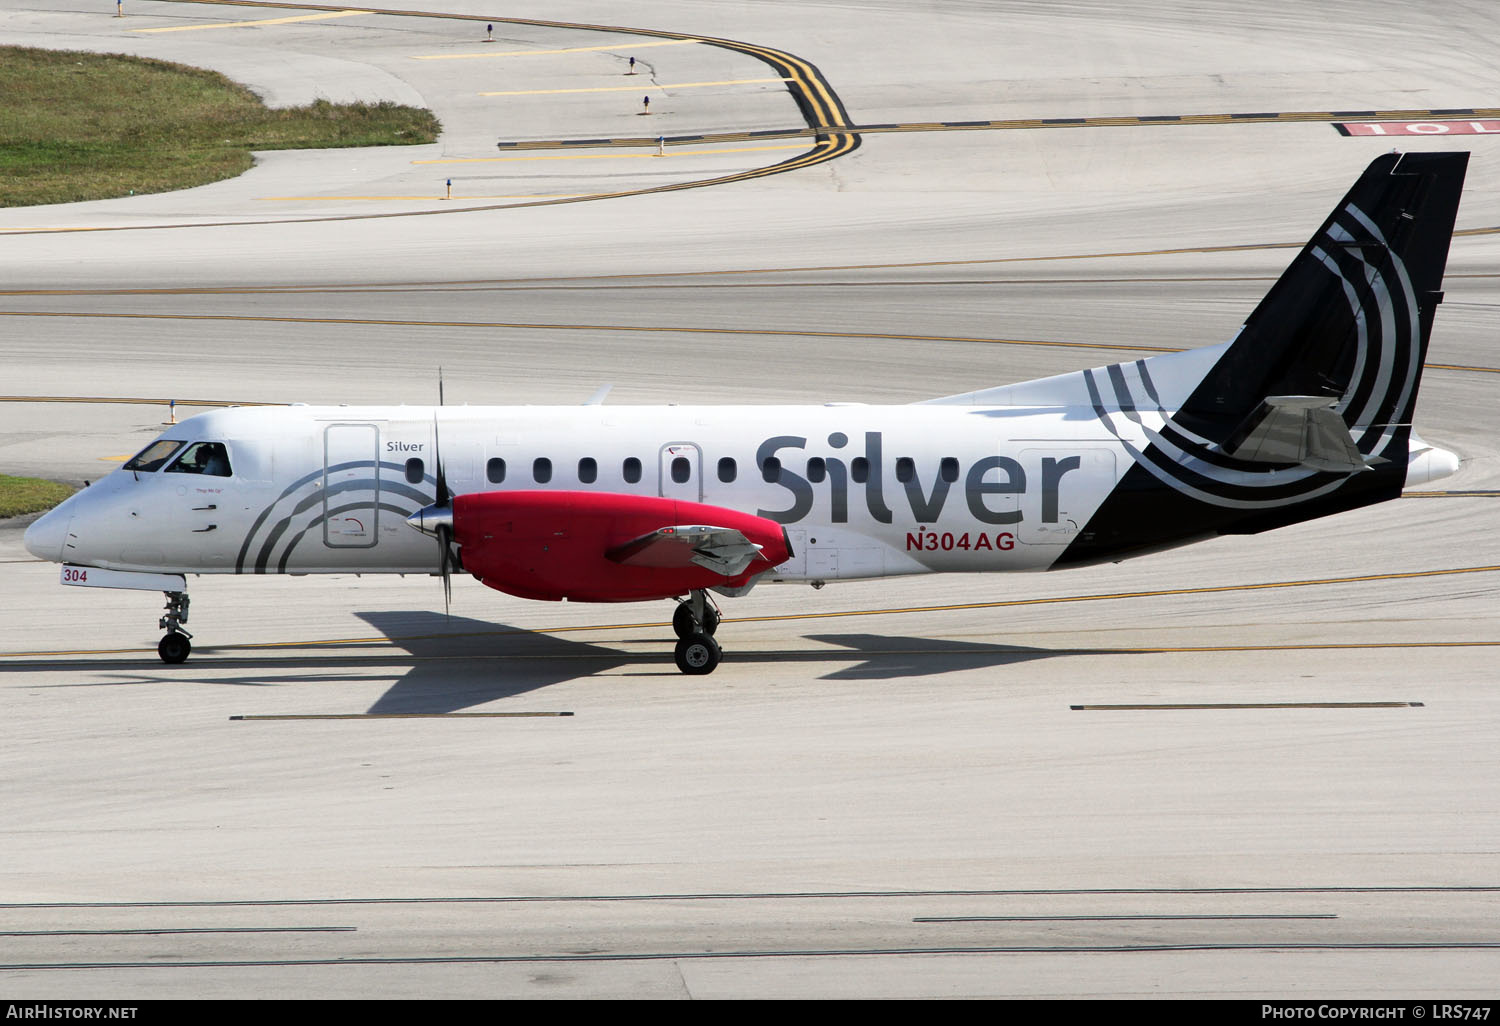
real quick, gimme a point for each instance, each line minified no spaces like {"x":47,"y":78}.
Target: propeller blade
{"x":445,"y":541}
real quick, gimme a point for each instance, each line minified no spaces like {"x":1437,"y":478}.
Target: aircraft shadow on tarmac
{"x":463,"y":663}
{"x":453,"y":663}
{"x":882,"y":657}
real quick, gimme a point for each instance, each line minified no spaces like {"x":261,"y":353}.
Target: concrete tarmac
{"x":1260,"y":767}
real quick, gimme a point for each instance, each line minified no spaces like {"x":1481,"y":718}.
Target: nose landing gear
{"x":694,"y":622}
{"x":176,"y":644}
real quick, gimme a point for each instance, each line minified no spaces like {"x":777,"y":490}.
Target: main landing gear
{"x":176,"y":644}
{"x":695,"y":620}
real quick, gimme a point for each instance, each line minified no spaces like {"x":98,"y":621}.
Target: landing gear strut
{"x":695,"y":616}
{"x":175,"y":646}
{"x":695,"y":622}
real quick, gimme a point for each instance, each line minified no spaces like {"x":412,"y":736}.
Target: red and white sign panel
{"x":1472,"y":127}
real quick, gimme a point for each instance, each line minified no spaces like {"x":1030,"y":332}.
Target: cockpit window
{"x":154,"y":455}
{"x":208,"y":458}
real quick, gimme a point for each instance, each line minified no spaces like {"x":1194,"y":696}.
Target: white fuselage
{"x":863,"y":491}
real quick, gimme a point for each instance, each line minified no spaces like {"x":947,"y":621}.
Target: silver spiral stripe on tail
{"x":1383,"y":381}
{"x":1388,"y":392}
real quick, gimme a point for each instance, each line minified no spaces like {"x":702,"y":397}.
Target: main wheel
{"x":710,"y":622}
{"x":682,"y":621}
{"x":173,"y":647}
{"x":697,"y":654}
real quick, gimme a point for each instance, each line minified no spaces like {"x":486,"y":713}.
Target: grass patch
{"x":84,"y":126}
{"x":29,"y":495}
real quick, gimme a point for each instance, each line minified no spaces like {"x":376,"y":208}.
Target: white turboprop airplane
{"x":1306,"y":412}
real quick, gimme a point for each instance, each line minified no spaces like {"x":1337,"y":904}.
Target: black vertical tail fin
{"x":1308,"y":411}
{"x":1349,"y":320}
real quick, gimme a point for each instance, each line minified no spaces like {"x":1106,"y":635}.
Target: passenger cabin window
{"x":770,"y":470}
{"x":727,"y":469}
{"x":154,"y":455}
{"x":631,"y":470}
{"x":949,"y":469}
{"x":588,"y":470}
{"x":859,"y":470}
{"x":906,"y":469}
{"x":682,"y":469}
{"x":541,"y":470}
{"x":207,"y":458}
{"x":414,"y":471}
{"x":817,"y":470}
{"x":494,"y":470}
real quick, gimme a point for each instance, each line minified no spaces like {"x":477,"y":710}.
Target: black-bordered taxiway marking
{"x":826,"y":119}
{"x":1019,"y":124}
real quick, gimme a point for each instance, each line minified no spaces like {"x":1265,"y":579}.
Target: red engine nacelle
{"x":556,"y":545}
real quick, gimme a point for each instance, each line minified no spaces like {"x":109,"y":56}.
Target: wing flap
{"x":723,"y":550}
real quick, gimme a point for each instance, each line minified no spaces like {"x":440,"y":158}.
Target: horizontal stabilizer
{"x":1297,"y":430}
{"x":720,"y":549}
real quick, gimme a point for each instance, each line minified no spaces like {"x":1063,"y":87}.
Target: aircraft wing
{"x":723,"y":550}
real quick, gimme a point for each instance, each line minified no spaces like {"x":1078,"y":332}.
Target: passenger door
{"x":351,"y":485}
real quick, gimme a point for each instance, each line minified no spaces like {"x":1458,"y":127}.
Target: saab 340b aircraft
{"x":1306,"y":412}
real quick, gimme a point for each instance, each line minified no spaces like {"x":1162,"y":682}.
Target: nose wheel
{"x":694,"y":622}
{"x":174,"y":647}
{"x":176,"y":643}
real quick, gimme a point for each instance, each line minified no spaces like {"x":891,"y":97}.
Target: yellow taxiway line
{"x":528,"y":53}
{"x":904,"y":610}
{"x":609,"y":156}
{"x":832,"y":654}
{"x":217,"y":403}
{"x":400,"y":716}
{"x":325,"y":16}
{"x":1221,"y":706}
{"x":663,"y":328}
{"x":1209,"y":590}
{"x":636,"y":88}
{"x":461,"y":199}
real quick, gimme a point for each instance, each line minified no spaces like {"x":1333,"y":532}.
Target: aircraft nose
{"x":44,"y":538}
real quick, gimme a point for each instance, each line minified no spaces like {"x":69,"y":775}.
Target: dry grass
{"x":29,"y":494}
{"x":81,"y":126}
